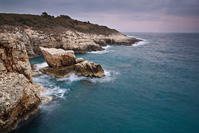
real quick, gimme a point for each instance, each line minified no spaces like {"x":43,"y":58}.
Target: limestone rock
{"x":33,"y":66}
{"x":89,"y":69}
{"x":13,"y":56}
{"x":18,"y":95}
{"x":35,"y":73}
{"x":79,"y":60}
{"x":62,"y":38}
{"x":59,"y":72}
{"x":18,"y":100}
{"x":41,"y":92}
{"x":58,"y":57}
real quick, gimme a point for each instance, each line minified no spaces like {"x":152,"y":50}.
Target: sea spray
{"x":105,"y":51}
{"x":140,"y":43}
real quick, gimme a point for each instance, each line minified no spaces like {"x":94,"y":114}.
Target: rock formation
{"x":65,"y":39}
{"x":79,"y":60}
{"x":18,"y":96}
{"x":89,"y":69}
{"x":62,"y":70}
{"x":18,"y":100}
{"x":58,"y":57}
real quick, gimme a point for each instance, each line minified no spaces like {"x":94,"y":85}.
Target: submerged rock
{"x":58,"y":57}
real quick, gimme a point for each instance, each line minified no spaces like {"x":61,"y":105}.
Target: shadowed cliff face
{"x":18,"y":95}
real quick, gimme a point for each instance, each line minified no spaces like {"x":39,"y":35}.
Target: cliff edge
{"x":18,"y":96}
{"x":59,"y":32}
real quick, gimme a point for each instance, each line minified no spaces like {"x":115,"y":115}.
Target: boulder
{"x":58,"y":57}
{"x":59,"y":72}
{"x":79,"y":60}
{"x":85,"y":68}
{"x":33,"y":66}
{"x":35,"y":73}
{"x":41,"y":91}
{"x":89,"y":69}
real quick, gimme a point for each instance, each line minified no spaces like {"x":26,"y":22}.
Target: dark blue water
{"x":152,"y":87}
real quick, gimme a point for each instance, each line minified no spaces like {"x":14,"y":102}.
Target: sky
{"x":123,"y":15}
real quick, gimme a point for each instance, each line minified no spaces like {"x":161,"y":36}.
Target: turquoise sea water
{"x":152,"y":87}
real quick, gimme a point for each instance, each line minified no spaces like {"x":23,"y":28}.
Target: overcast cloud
{"x":123,"y":15}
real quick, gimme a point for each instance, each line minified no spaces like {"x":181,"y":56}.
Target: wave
{"x":38,"y":66}
{"x":140,"y":43}
{"x":52,"y":89}
{"x":109,"y":76}
{"x":102,"y":52}
{"x":143,"y":42}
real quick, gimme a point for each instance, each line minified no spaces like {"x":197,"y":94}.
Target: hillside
{"x":45,"y":21}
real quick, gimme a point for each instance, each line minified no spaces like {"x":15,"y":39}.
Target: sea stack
{"x":63,"y":62}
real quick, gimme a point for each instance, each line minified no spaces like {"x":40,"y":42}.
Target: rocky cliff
{"x":60,"y":32}
{"x":18,"y":95}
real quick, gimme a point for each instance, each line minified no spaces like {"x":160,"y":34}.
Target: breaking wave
{"x":51,"y":88}
{"x":143,"y":42}
{"x":38,"y":66}
{"x":109,"y":76}
{"x":104,"y":51}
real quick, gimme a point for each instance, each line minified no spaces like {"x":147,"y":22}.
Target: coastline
{"x":25,"y":40}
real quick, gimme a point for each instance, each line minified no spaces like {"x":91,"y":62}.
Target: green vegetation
{"x":44,"y":21}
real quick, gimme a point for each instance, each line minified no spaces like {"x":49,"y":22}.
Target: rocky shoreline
{"x":19,"y":97}
{"x":66,"y":39}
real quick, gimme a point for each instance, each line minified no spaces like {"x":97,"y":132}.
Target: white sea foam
{"x":51,"y":88}
{"x":143,"y":42}
{"x":72,"y":78}
{"x":44,"y":64}
{"x":109,"y":76}
{"x":102,"y":52}
{"x":140,"y":43}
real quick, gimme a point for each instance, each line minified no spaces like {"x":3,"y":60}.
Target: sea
{"x":149,"y":87}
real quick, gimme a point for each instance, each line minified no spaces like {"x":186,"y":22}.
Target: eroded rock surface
{"x":89,"y":69}
{"x":18,"y":100}
{"x":63,"y":38}
{"x":18,"y":96}
{"x":58,"y":57}
{"x":62,"y":70}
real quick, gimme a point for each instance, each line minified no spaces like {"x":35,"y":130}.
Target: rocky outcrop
{"x":63,"y":38}
{"x":62,"y":70}
{"x":18,"y":100}
{"x":18,"y":96}
{"x":14,"y":57}
{"x":89,"y":69}
{"x":79,"y":60}
{"x":58,"y":57}
{"x":59,"y":72}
